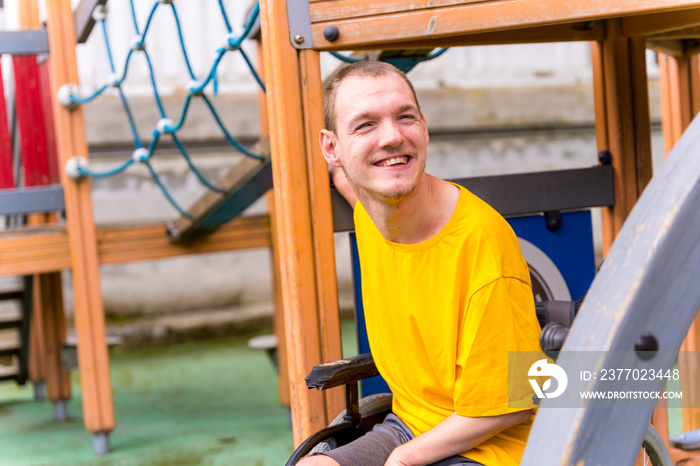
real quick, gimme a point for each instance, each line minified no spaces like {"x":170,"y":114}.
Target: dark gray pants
{"x":373,"y":448}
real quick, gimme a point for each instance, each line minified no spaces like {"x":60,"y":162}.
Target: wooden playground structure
{"x":300,"y":228}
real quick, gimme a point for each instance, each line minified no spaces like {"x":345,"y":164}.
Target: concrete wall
{"x":499,"y":109}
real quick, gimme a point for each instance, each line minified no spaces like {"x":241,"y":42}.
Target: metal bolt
{"x":605,"y":157}
{"x":331,"y":33}
{"x":646,"y":346}
{"x":299,"y":39}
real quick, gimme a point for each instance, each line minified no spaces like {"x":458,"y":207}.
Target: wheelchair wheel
{"x":369,"y":406}
{"x":655,"y":450}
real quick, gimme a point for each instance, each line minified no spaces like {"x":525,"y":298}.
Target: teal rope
{"x":233,"y":44}
{"x":107,"y":173}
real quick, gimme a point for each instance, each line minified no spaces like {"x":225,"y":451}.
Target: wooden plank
{"x":341,"y":9}
{"x":669,"y":47}
{"x":50,"y":305}
{"x":622,"y":121}
{"x":655,"y":24}
{"x":477,"y":17}
{"x":242,"y":185}
{"x":293,"y":214}
{"x":45,"y":248}
{"x":322,"y":223}
{"x":278,"y":322}
{"x":579,"y":31}
{"x":685,"y":33}
{"x":93,"y":359}
{"x":680,"y":87}
{"x":129,"y":243}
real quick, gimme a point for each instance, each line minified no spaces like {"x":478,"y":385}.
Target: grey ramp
{"x":649,"y":283}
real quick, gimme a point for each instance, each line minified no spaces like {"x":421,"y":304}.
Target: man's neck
{"x":419,"y":216}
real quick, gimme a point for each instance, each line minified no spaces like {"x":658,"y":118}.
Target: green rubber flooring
{"x":200,"y":403}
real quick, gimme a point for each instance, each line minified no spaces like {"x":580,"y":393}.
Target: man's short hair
{"x":362,"y":69}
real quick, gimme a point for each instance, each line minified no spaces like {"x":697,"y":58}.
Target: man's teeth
{"x":395,"y":161}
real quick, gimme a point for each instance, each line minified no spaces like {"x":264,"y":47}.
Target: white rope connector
{"x":162,"y":123}
{"x":64,"y":95}
{"x":137,"y":43}
{"x":114,"y":80}
{"x":192,"y":87}
{"x":228,"y":38}
{"x":73,"y":166}
{"x":99,"y":13}
{"x":140,"y":155}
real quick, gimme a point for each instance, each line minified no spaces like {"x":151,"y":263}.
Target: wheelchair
{"x":555,"y":318}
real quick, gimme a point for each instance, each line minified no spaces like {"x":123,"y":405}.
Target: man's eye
{"x":362,"y":126}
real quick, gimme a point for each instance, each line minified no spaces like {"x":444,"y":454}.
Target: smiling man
{"x":446,"y":290}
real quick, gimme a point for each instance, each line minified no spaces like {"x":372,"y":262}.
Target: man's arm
{"x":341,"y":183}
{"x":453,"y":436}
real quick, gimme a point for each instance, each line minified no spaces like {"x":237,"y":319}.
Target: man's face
{"x":381,"y":138}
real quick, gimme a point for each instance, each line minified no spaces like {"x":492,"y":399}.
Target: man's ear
{"x":328,"y":143}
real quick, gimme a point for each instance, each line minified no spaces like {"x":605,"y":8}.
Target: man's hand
{"x":454,"y":435}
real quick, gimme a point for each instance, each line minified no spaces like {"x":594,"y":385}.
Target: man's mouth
{"x":400,"y":160}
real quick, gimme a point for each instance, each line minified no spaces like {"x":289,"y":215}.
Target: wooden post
{"x":679,"y":77}
{"x":48,"y":325}
{"x":622,"y":120}
{"x":93,"y":360}
{"x":278,"y":321}
{"x":623,"y":128}
{"x":302,"y":216}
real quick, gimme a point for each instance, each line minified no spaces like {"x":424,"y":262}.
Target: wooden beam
{"x":678,"y":34}
{"x":130,"y":243}
{"x":622,"y":120}
{"x":322,"y":223}
{"x":45,"y":248}
{"x":278,"y":322}
{"x":623,"y":128}
{"x":668,"y":47}
{"x":580,"y":31}
{"x":659,"y":23}
{"x":679,"y":77}
{"x":298,"y":229}
{"x":362,"y":24}
{"x":93,"y":359}
{"x":48,"y":306}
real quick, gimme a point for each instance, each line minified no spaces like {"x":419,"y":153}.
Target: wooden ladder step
{"x":8,"y":372}
{"x":10,"y":321}
{"x":242,"y":185}
{"x":9,"y":347}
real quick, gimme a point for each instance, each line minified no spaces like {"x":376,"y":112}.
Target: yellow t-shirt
{"x":441,"y":317}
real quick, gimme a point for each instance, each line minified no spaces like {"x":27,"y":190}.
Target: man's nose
{"x":391,"y":135}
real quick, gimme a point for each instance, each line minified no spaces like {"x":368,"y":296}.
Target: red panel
{"x":7,"y":179}
{"x":47,"y":112}
{"x":30,"y":121}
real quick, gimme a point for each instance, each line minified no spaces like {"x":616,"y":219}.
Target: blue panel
{"x":570,"y":248}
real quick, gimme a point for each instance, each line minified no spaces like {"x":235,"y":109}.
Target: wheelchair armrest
{"x":343,"y":372}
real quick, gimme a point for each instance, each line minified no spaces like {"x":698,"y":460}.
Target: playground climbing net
{"x":69,"y":95}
